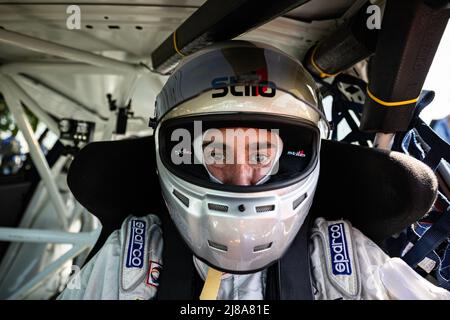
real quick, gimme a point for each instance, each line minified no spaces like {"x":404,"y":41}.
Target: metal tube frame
{"x":88,"y":112}
{"x":43,"y":46}
{"x":15,"y":68}
{"x":45,"y":236}
{"x":32,"y":211}
{"x":31,"y":104}
{"x":14,"y":94}
{"x":36,"y":154}
{"x":48,"y":271}
{"x":67,"y":52}
{"x":81,"y":241}
{"x":88,"y":60}
{"x":15,"y":73}
{"x":24,"y":291}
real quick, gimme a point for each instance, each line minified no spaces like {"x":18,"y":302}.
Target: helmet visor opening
{"x":238,"y":152}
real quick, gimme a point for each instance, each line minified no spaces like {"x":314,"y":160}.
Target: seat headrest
{"x":380,"y":192}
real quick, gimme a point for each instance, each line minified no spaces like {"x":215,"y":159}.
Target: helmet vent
{"x":217,"y":207}
{"x":217,"y":246}
{"x":262,"y":247}
{"x":298,"y":201}
{"x":181,"y":197}
{"x":266,"y":208}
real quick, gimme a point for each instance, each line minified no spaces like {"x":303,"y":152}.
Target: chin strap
{"x":212,"y":284}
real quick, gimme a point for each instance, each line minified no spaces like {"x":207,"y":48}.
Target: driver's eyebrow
{"x":253,"y":146}
{"x":258,"y":145}
{"x":213,"y":143}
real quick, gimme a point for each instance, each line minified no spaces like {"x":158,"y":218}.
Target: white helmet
{"x":232,"y":227}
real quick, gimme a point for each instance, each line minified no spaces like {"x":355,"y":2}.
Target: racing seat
{"x":380,"y":192}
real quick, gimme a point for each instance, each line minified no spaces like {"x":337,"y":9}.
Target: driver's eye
{"x":217,"y":156}
{"x":259,"y":159}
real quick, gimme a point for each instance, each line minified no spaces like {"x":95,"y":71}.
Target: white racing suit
{"x":345,"y":265}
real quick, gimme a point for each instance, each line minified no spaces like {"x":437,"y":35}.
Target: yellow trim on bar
{"x":175,"y":44}
{"x":212,"y":284}
{"x":390,"y":104}
{"x":322,"y":74}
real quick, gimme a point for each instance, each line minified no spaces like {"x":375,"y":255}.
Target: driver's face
{"x":240,"y":156}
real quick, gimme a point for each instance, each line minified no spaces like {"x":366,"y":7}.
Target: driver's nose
{"x":240,"y":175}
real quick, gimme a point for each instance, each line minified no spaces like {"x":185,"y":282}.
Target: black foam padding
{"x":217,"y":21}
{"x":114,"y":179}
{"x":380,"y":192}
{"x":345,"y":46}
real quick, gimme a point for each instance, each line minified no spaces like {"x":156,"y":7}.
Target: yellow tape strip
{"x":212,"y":285}
{"x":322,"y":74}
{"x":390,"y":104}
{"x":175,"y":44}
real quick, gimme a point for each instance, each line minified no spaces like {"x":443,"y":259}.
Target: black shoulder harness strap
{"x":290,"y":277}
{"x":179,"y":280}
{"x":287,"y":279}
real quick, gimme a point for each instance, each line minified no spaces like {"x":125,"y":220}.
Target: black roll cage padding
{"x":410,"y":29}
{"x":216,"y":21}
